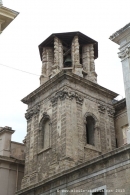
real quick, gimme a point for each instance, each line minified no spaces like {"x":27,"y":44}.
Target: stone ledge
{"x":91,"y":147}
{"x":66,"y":74}
{"x":44,"y":150}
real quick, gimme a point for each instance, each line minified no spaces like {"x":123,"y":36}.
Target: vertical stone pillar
{"x":60,"y":49}
{"x":86,"y":59}
{"x":58,"y":56}
{"x":102,"y":110}
{"x":88,"y":62}
{"x":77,"y":68}
{"x":80,"y":129}
{"x":72,"y":54}
{"x":125,"y":59}
{"x":122,"y":38}
{"x":47,"y":62}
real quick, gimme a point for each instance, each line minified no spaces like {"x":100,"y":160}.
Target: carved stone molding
{"x":110,"y":112}
{"x":117,"y":33}
{"x":101,"y":108}
{"x":67,"y":94}
{"x":32,"y":112}
{"x":124,"y":54}
{"x":88,"y":114}
{"x":45,"y":117}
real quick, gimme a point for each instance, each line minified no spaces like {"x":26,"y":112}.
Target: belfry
{"x":72,"y":50}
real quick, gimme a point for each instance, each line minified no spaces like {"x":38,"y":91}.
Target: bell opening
{"x":68,"y":61}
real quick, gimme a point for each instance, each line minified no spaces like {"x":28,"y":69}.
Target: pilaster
{"x":122,"y":37}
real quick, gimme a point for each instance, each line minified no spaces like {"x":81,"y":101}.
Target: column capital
{"x":124,"y":53}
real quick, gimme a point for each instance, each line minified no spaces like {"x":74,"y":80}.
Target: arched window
{"x":44,"y":132}
{"x":90,"y":123}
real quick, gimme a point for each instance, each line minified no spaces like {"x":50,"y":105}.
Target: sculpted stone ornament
{"x":124,"y":54}
{"x":101,"y":108}
{"x":67,"y":94}
{"x":110,"y":112}
{"x":33,"y":111}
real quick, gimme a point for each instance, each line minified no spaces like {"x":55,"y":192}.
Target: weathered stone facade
{"x":76,"y":48}
{"x":110,"y":172}
{"x":71,"y":141}
{"x":67,"y":100}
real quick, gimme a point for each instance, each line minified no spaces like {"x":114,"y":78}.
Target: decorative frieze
{"x":124,"y":53}
{"x":32,"y":112}
{"x":67,"y":94}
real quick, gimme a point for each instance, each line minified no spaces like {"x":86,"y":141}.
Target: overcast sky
{"x":19,"y":42}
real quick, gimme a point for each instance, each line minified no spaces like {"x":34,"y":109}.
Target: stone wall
{"x":110,"y":172}
{"x":67,"y":104}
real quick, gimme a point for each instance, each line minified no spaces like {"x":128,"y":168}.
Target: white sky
{"x":19,"y":42}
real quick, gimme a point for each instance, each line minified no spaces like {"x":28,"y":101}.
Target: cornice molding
{"x":117,"y":33}
{"x":66,"y":74}
{"x":11,"y":160}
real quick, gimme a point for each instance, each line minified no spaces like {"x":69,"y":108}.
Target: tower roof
{"x":67,"y":38}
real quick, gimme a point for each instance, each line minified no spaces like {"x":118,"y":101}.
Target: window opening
{"x":90,"y":123}
{"x":98,"y":193}
{"x":46,"y":133}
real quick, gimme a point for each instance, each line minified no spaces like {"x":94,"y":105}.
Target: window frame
{"x":98,"y":189}
{"x":41,"y":147}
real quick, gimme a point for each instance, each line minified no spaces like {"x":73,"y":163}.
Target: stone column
{"x":122,"y":38}
{"x":58,"y":56}
{"x":47,"y":62}
{"x":88,"y":62}
{"x":77,"y":68}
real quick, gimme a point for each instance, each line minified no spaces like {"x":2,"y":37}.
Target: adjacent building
{"x":6,"y":16}
{"x":12,"y":155}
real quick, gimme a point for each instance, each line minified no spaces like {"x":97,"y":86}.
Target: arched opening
{"x":44,"y":132}
{"x":90,"y":123}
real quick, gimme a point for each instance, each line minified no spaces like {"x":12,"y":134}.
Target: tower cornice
{"x":66,"y":74}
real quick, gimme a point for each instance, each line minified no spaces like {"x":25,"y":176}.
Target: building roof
{"x":6,"y":17}
{"x":67,"y":38}
{"x":119,"y":32}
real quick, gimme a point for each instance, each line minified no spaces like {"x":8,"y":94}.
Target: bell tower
{"x":73,"y":50}
{"x":69,"y":117}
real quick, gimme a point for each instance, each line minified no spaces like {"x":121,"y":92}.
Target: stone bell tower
{"x":69,"y":117}
{"x":73,"y":51}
